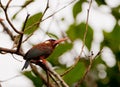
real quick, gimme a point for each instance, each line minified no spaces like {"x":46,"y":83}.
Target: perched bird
{"x":41,"y":51}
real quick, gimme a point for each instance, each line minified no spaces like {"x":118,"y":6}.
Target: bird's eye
{"x":47,"y":42}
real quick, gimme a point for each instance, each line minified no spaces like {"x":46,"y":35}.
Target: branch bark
{"x":34,"y":69}
{"x":56,"y":75}
{"x":83,"y":43}
{"x":7,"y":18}
{"x":88,"y":69}
{"x":6,"y":50}
{"x":21,"y":37}
{"x":8,"y":31}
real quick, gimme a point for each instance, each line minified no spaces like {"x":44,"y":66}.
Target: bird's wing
{"x":35,"y":53}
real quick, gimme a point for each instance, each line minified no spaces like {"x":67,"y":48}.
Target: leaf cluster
{"x":76,"y":31}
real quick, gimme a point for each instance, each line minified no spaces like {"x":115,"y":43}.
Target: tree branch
{"x":47,"y":6}
{"x":34,"y":69}
{"x":27,"y":38}
{"x":88,"y":69}
{"x":86,"y":72}
{"x":58,"y":10}
{"x":45,"y":67}
{"x":21,"y":37}
{"x":7,"y":18}
{"x":58,"y":77}
{"x":83,"y":44}
{"x":8,"y":31}
{"x":6,"y":50}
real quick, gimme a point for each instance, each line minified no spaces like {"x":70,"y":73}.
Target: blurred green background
{"x":105,"y":70}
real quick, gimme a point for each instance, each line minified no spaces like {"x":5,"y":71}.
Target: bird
{"x":39,"y":53}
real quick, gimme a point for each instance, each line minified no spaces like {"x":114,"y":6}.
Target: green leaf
{"x":116,"y":12}
{"x":32,"y":23}
{"x":97,"y":61}
{"x":26,"y":3}
{"x":77,"y":8}
{"x":112,"y":39}
{"x":36,"y":80}
{"x":101,"y":2}
{"x":59,"y":50}
{"x":75,"y":75}
{"x":52,"y":35}
{"x":60,"y":70}
{"x":77,"y":32}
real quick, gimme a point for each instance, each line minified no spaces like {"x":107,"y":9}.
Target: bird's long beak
{"x":60,"y":40}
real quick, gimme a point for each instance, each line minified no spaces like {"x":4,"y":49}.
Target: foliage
{"x":53,"y":58}
{"x":76,"y":31}
{"x":76,"y":74}
{"x":35,"y":79}
{"x":77,"y":8}
{"x":116,"y":13}
{"x":112,"y":39}
{"x":33,"y":23}
{"x":101,"y":2}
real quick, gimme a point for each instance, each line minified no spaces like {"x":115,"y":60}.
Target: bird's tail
{"x":26,"y":64}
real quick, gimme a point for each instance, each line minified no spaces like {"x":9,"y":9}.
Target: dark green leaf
{"x":75,"y":74}
{"x":77,"y":32}
{"x":32,"y":23}
{"x":101,"y":2}
{"x":14,"y":16}
{"x":116,"y":12}
{"x":77,"y":8}
{"x":27,"y":2}
{"x":36,"y":80}
{"x":97,"y":61}
{"x":59,"y":50}
{"x":52,"y":35}
{"x":60,"y":70}
{"x":112,"y":39}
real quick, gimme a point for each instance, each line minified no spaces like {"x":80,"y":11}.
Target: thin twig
{"x":47,"y":6}
{"x":53,"y":78}
{"x":34,"y":69}
{"x":47,"y":75}
{"x":41,"y":20}
{"x":88,"y":69}
{"x":59,"y":78}
{"x":83,"y":44}
{"x":27,"y":38}
{"x":46,"y":67}
{"x":8,"y":5}
{"x":21,"y":37}
{"x":10,"y":78}
{"x":38,"y":22}
{"x":86,"y":72}
{"x":8,"y":31}
{"x":7,"y":18}
{"x":15,"y":58}
{"x":58,"y":10}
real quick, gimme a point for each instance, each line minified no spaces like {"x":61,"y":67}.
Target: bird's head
{"x":53,"y":42}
